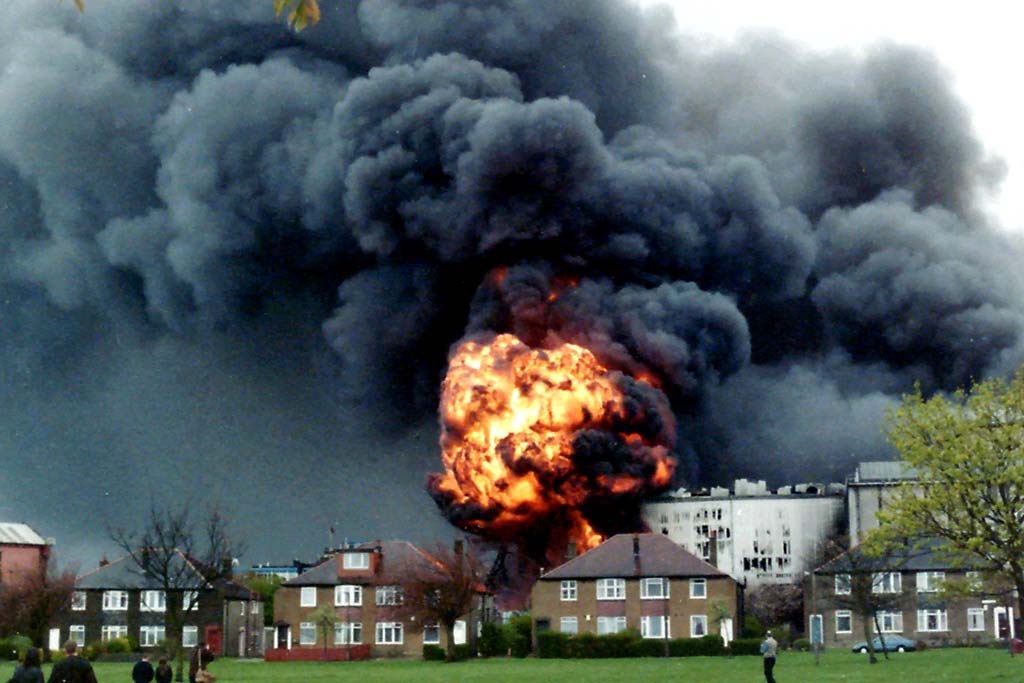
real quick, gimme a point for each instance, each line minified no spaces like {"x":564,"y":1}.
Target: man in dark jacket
{"x":72,"y":669}
{"x":142,"y":672}
{"x":201,"y":656}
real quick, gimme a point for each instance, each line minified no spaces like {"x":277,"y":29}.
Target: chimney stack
{"x":636,"y":554}
{"x":104,"y":561}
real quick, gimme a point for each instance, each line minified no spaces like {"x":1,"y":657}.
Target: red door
{"x":214,"y":639}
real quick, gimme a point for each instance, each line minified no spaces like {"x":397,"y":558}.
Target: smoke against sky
{"x":233,"y":259}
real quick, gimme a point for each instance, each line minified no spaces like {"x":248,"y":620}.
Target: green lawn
{"x":960,"y":665}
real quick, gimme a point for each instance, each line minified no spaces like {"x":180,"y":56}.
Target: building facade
{"x":639,"y":581}
{"x":869,"y":489}
{"x":23,"y":553}
{"x":761,"y":537}
{"x":363,"y":586}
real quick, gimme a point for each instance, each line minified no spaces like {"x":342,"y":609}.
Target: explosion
{"x":542,"y":447}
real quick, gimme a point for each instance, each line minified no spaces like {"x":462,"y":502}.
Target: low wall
{"x":317,"y":654}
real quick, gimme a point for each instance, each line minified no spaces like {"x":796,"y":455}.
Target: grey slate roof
{"x":928,"y":557}
{"x":659,"y":556}
{"x":123,"y":574}
{"x":12,"y":533}
{"x":396,"y":559}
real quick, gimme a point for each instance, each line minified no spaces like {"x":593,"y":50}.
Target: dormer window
{"x":355,"y":561}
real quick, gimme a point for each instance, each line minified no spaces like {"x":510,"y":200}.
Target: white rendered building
{"x":761,"y":536}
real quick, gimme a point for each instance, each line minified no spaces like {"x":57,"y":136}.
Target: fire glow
{"x":546,"y":446}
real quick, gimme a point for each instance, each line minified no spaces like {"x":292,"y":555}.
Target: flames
{"x":545,"y":446}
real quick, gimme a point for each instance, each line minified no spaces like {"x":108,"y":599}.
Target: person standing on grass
{"x":164,"y":672}
{"x":142,"y":672}
{"x":769,"y":646}
{"x":201,"y":656}
{"x":72,"y":669}
{"x":30,"y":670}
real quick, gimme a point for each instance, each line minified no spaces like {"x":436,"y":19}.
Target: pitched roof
{"x":124,"y":574}
{"x":396,"y":559}
{"x":658,"y":556}
{"x":926,"y":556}
{"x":12,"y":533}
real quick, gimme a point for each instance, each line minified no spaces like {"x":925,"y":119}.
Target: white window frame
{"x":570,"y":625}
{"x":848,"y":616}
{"x":150,"y":636}
{"x":348,"y":595}
{"x":355,"y":560}
{"x":388,"y":595}
{"x":843,"y":584}
{"x":112,"y":631}
{"x":655,"y":627}
{"x":975,"y":619}
{"x":115,"y":601}
{"x":76,"y":632}
{"x":698,"y":589}
{"x":886,"y":582}
{"x":606,"y":625}
{"x":307,"y":596}
{"x":389,"y":633}
{"x":307,"y":633}
{"x":611,"y":589}
{"x":189,"y":598}
{"x":891,"y":621}
{"x":569,"y":590}
{"x":930,"y":582}
{"x":698,"y":625}
{"x":189,"y":636}
{"x":348,"y":633}
{"x":434,"y":631}
{"x":648,"y":592}
{"x":153,"y":601}
{"x":78,"y":601}
{"x":941,"y":620}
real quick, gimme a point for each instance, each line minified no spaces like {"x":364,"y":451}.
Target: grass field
{"x":960,"y":665}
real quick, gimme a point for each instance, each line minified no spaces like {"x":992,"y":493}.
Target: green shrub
{"x":650,"y":647}
{"x":745,"y":646}
{"x":710,"y":645}
{"x":463,"y":651}
{"x":520,"y":635}
{"x":802,"y":645}
{"x":493,"y":641}
{"x":116,"y":646}
{"x":13,"y":647}
{"x":433,"y":653}
{"x":752,"y":628}
{"x":552,"y":645}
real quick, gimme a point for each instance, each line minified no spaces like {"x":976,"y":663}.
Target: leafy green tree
{"x":968,"y":451}
{"x":265,"y":587}
{"x":325,"y":619}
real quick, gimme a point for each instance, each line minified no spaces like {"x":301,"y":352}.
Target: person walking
{"x":201,"y":656}
{"x":142,"y":672}
{"x":164,"y":672}
{"x":769,"y":646}
{"x":72,"y":669}
{"x":29,"y":671}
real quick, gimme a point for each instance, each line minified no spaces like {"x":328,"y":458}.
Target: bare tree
{"x":776,"y":604}
{"x":29,"y":605}
{"x":443,"y":589}
{"x":182,"y":557}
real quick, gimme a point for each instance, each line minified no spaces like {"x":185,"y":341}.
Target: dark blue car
{"x":892,"y":644}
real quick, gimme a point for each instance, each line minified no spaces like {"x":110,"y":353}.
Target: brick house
{"x":23,"y":552}
{"x":116,"y":600}
{"x":363,"y":585}
{"x":913,"y":605}
{"x":639,"y":581}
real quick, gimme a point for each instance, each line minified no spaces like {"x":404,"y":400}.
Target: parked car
{"x":892,"y":644}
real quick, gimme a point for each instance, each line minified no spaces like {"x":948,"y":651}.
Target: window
{"x":307,"y":633}
{"x":611,"y":589}
{"x":78,"y":601}
{"x":389,"y":633}
{"x":930,"y":582}
{"x":389,"y":595}
{"x":890,"y":621}
{"x":653,"y":589}
{"x":843,"y":585}
{"x":431,"y":634}
{"x":568,"y":593}
{"x":569,"y":625}
{"x":886,"y":582}
{"x":111,"y":632}
{"x":975,"y":619}
{"x":77,"y":633}
{"x":115,"y":601}
{"x":654,"y":627}
{"x":355,"y":561}
{"x":698,"y":588}
{"x":607,"y":625}
{"x":932,"y":620}
{"x":153,"y":601}
{"x":844,"y":621}
{"x":190,"y":600}
{"x":189,"y":636}
{"x":348,"y":633}
{"x":348,"y":596}
{"x":307,"y":598}
{"x":149,"y":636}
{"x":698,"y":625}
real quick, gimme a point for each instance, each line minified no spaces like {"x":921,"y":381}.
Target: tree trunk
{"x":866,"y":621}
{"x":449,"y":633}
{"x":881,"y":638}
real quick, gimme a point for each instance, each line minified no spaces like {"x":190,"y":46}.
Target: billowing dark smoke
{"x":195,"y":199}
